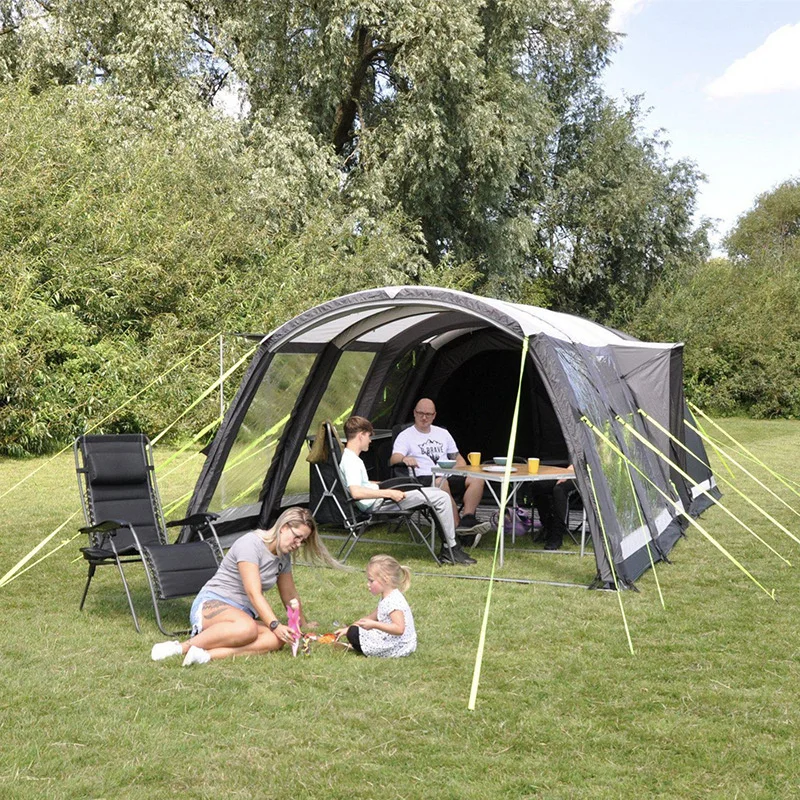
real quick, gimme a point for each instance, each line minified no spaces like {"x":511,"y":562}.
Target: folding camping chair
{"x":576,"y":521}
{"x":331,"y":501}
{"x":125,"y":522}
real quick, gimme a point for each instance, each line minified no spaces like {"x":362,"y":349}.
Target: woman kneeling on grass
{"x":389,"y":631}
{"x":230,"y":616}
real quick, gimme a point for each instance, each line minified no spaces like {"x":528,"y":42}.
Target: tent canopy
{"x":376,"y":352}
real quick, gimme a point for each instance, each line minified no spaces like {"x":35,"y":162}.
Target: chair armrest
{"x":109,"y":526}
{"x":195,"y":520}
{"x":403,"y":484}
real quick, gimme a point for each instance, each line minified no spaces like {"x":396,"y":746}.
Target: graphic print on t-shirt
{"x":433,"y":449}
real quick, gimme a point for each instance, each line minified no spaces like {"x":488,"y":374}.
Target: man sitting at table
{"x":358,"y":431}
{"x":421,"y":446}
{"x":551,"y":501}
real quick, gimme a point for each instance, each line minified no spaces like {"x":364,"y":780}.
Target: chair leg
{"x":583,"y":534}
{"x":417,"y":533}
{"x":353,"y":535}
{"x":92,"y":570}
{"x":128,"y":595}
{"x":161,"y":624}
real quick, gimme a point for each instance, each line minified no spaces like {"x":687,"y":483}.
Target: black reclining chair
{"x":125,"y":523}
{"x":331,"y":502}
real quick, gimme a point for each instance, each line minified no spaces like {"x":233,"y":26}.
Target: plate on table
{"x":495,"y":468}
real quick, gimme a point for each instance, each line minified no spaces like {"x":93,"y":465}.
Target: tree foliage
{"x":482,"y":120}
{"x":740,"y":316}
{"x":458,"y":142}
{"x":127,"y":240}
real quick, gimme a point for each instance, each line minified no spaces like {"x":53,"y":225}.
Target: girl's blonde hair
{"x":296,"y":517}
{"x":392,"y":571}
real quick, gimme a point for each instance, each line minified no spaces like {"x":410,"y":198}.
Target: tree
{"x":483,"y":121}
{"x":129,"y":238}
{"x":739,"y":316}
{"x":771,"y":228}
{"x":619,"y":215}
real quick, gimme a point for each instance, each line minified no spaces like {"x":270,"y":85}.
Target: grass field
{"x":706,"y":708}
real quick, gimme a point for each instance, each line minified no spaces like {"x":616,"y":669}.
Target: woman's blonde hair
{"x":392,"y":571}
{"x":296,"y":517}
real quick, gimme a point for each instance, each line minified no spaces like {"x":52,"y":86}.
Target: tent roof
{"x":376,"y":316}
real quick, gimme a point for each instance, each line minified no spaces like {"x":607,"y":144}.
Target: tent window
{"x":634,"y":449}
{"x":614,"y":468}
{"x":252,"y":452}
{"x":343,"y":388}
{"x":397,"y":379}
{"x":336,"y":405}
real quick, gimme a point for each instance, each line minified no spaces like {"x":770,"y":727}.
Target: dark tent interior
{"x":473,"y":381}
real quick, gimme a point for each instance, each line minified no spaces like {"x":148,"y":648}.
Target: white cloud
{"x":622,"y":10}
{"x":772,"y":67}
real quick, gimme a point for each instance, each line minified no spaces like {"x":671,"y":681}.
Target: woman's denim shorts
{"x":196,"y":614}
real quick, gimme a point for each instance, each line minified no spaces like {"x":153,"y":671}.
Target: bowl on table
{"x":500,"y":460}
{"x":445,"y":463}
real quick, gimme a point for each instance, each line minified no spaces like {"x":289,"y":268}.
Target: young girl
{"x":388,"y":632}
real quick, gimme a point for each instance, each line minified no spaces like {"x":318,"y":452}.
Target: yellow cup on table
{"x":533,"y":466}
{"x":474,"y":459}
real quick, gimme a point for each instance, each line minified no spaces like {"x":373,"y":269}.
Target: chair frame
{"x":103,"y":551}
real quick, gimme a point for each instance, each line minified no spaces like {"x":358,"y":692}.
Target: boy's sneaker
{"x":455,"y":555}
{"x":468,"y":523}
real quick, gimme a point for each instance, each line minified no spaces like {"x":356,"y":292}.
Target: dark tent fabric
{"x":376,"y":352}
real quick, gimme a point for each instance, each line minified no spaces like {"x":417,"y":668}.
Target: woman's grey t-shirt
{"x":250,"y":548}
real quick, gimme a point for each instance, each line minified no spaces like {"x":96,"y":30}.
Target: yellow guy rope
{"x":746,"y":471}
{"x":24,"y":560}
{"x":111,"y":414}
{"x":222,"y":378}
{"x":476,"y":673}
{"x":610,"y":559}
{"x":17,"y":568}
{"x":711,"y":497}
{"x":677,"y":505}
{"x":643,"y":525}
{"x":738,"y":491}
{"x":752,"y":456}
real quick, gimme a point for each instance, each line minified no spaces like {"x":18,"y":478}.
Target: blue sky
{"x":722,"y":78}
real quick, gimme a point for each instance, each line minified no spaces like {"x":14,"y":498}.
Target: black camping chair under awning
{"x":125,"y":522}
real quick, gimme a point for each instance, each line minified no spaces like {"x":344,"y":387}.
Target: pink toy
{"x":293,"y":612}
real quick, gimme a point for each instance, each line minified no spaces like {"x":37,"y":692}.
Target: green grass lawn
{"x":707,"y":706}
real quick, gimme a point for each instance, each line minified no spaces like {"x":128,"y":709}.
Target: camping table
{"x":522,"y":475}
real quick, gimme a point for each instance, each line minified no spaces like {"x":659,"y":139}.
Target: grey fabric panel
{"x":697,"y":467}
{"x":647,"y":373}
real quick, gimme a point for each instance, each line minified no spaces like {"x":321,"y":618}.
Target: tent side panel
{"x":220,"y":447}
{"x":551,"y":358}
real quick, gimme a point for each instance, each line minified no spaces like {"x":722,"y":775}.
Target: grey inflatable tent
{"x":376,"y":352}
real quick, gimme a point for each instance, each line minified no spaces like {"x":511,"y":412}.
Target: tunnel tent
{"x":376,"y":352}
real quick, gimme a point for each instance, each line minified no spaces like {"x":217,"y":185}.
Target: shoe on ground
{"x":196,"y":655}
{"x":468,"y":523}
{"x":472,"y":537}
{"x":455,"y":555}
{"x":553,"y":544}
{"x":163,"y":650}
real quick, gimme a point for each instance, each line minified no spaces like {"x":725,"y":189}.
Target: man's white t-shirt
{"x":355,"y":474}
{"x":427,"y":448}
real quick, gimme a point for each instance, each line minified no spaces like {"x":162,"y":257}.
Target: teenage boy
{"x":358,"y":431}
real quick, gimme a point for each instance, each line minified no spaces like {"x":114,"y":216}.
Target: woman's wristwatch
{"x":274,"y":625}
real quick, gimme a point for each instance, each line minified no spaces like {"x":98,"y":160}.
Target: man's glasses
{"x":425,"y":413}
